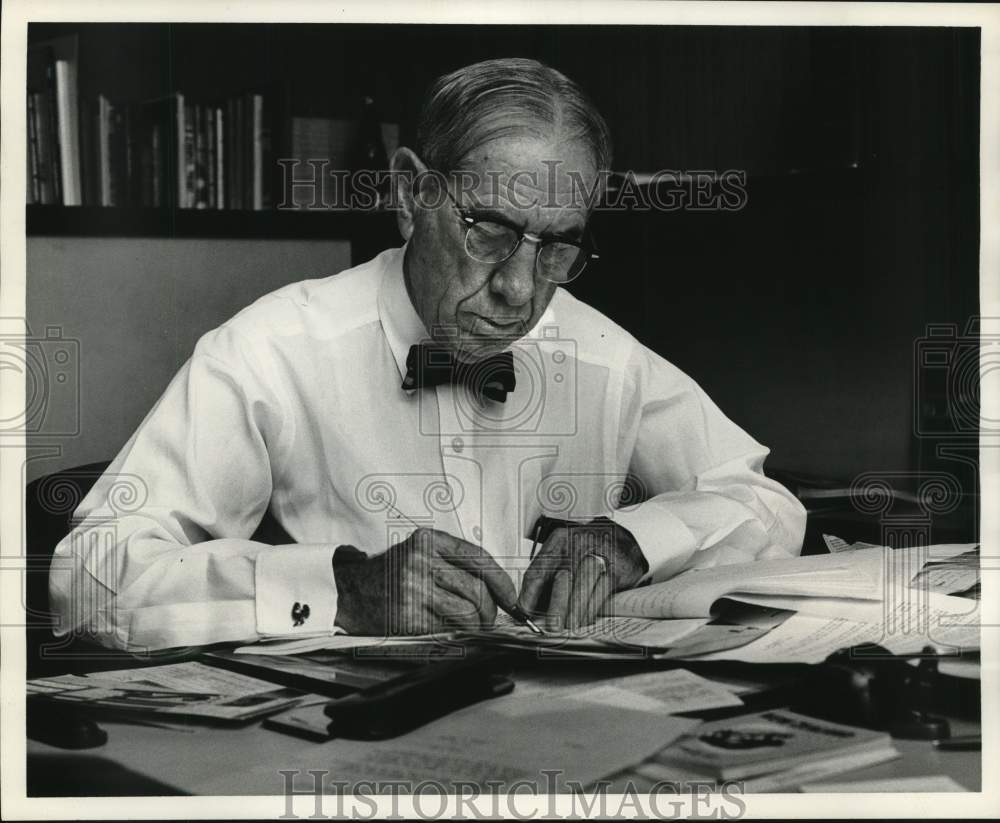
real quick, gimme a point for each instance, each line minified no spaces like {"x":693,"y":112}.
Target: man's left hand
{"x":577,"y":569}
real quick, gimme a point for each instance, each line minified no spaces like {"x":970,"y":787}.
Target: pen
{"x":961,"y":743}
{"x":534,"y":539}
{"x":515,"y":611}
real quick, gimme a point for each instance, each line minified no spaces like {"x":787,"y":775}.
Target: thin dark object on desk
{"x":405,"y":703}
{"x":961,"y":743}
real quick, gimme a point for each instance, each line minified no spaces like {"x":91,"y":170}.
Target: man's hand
{"x":577,"y":569}
{"x":430,"y":582}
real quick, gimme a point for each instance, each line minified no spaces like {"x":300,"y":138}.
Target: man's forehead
{"x":528,"y":174}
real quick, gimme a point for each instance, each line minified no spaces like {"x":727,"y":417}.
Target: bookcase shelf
{"x":103,"y":221}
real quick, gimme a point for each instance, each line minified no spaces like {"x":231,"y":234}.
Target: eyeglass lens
{"x":490,"y":242}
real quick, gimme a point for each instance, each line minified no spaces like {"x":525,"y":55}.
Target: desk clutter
{"x":789,"y":610}
{"x":468,"y":705}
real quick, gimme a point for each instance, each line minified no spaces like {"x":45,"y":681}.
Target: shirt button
{"x":457,"y":444}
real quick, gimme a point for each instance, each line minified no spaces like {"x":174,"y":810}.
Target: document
{"x":853,"y":574}
{"x":791,"y":778}
{"x":578,"y":742}
{"x":942,"y":622}
{"x":603,"y":632}
{"x":670,"y":691}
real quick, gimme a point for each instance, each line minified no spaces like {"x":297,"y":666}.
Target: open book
{"x":856,"y":575}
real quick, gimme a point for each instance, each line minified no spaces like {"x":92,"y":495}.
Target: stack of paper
{"x":768,"y":751}
{"x":176,"y":691}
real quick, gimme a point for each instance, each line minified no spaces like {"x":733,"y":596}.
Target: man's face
{"x":480,"y":308}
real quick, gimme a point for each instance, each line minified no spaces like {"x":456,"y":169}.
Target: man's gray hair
{"x":509,"y":96}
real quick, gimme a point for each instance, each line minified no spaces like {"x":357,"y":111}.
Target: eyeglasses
{"x":492,"y":240}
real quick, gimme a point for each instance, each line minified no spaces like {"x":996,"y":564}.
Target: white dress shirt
{"x":296,"y":404}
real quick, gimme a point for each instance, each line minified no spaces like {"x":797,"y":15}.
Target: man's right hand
{"x":430,"y":582}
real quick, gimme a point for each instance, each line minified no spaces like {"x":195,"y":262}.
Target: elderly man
{"x":409,"y":420}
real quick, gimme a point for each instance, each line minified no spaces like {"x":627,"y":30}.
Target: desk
{"x":146,"y":760}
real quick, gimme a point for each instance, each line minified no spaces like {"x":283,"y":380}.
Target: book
{"x":162,"y":122}
{"x":33,"y":172}
{"x":69,"y":131}
{"x":201,"y":156}
{"x":767,"y":742}
{"x":42,"y":89}
{"x":210,"y":150}
{"x":186,"y":194}
{"x":220,"y":159}
{"x":104,"y":127}
{"x":257,"y":149}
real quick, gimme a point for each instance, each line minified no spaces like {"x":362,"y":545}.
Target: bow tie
{"x":431,"y":364}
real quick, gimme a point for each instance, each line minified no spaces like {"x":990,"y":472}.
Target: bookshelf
{"x":107,"y":221}
{"x":124,"y":66}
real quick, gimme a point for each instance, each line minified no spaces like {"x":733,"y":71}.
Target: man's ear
{"x":407,"y":169}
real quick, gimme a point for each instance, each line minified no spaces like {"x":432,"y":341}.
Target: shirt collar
{"x":400,"y":321}
{"x":403,"y":326}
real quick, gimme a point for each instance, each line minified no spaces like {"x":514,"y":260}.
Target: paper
{"x":661,"y":692}
{"x":907,"y":627}
{"x":605,"y":631}
{"x":837,"y":544}
{"x":925,"y":783}
{"x":182,"y":689}
{"x":783,"y":780}
{"x":692,"y":593}
{"x":480,"y":745}
{"x":330,"y":642}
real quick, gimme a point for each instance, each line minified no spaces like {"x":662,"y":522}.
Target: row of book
{"x":167,"y":152}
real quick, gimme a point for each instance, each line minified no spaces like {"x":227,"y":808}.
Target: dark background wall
{"x":800,"y":314}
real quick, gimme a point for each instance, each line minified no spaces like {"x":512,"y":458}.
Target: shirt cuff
{"x":295,"y":591}
{"x":664,"y":539}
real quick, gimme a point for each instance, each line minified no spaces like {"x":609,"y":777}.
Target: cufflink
{"x":300,"y":614}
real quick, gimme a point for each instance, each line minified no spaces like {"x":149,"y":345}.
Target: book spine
{"x":220,"y":159}
{"x":104,"y":148}
{"x":210,"y":152}
{"x":116,"y":157}
{"x":258,"y":152}
{"x":230,"y":131}
{"x":156,"y":153}
{"x":87,"y":168}
{"x":188,"y":200}
{"x":69,"y":146}
{"x":119,"y":156}
{"x":55,"y":160}
{"x":238,"y":141}
{"x":180,"y":159}
{"x":133,"y":156}
{"x":200,"y":157}
{"x":267,"y":162}
{"x":44,"y":149}
{"x":34,"y":181}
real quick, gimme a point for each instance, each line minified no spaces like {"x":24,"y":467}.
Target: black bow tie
{"x":431,"y":364}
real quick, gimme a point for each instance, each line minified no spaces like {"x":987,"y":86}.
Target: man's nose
{"x":514,"y":280}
